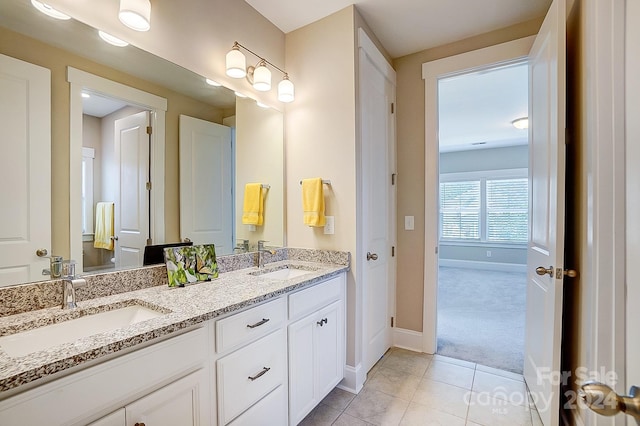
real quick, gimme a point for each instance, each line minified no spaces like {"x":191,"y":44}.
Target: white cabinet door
{"x":183,"y":402}
{"x":117,"y":418}
{"x":269,"y":411}
{"x":316,"y":359}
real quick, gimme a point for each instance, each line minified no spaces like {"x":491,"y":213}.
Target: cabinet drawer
{"x":316,"y":297}
{"x":249,"y":325}
{"x":248,"y":374}
{"x":270,"y":410}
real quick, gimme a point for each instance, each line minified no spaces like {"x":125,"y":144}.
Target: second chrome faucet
{"x":261,"y":250}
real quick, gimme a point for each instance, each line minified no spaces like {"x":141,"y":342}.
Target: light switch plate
{"x":329,"y":226}
{"x":252,"y":228}
{"x":409,"y":223}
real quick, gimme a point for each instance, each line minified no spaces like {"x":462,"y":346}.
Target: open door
{"x":132,"y":204}
{"x":545,"y":252}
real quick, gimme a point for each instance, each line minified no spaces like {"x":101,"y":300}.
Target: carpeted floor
{"x":481,"y":316}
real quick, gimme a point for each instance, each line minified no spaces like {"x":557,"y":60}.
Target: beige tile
{"x":322,"y":415}
{"x":347,"y":420}
{"x":395,"y":383}
{"x":338,"y":399}
{"x":414,"y":363}
{"x":442,"y":397}
{"x":500,"y":387}
{"x":421,"y":415}
{"x":452,"y":374}
{"x":488,"y":411}
{"x":377,"y":408}
{"x":498,"y":372}
{"x":455,"y":361}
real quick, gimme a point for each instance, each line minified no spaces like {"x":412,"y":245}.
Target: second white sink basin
{"x":41,"y":338}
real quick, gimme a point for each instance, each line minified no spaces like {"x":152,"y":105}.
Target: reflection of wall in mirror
{"x":260,"y":150}
{"x":33,"y":51}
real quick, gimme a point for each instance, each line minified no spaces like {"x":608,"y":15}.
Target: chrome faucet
{"x":243,"y":247}
{"x":261,"y":250}
{"x":69,"y":287}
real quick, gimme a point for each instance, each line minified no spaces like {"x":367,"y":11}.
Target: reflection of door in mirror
{"x":25,"y":170}
{"x":206,"y":183}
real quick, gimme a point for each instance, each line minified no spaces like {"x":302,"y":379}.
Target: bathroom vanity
{"x":255,"y":344}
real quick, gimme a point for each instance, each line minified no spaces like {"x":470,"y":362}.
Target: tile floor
{"x":410,"y":388}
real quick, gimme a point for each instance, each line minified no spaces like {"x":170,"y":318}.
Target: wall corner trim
{"x":354,"y":378}
{"x":407,"y":339}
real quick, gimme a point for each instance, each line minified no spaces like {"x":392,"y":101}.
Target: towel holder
{"x":265,"y":185}
{"x":324,"y":182}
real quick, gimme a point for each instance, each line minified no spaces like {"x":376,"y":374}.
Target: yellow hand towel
{"x":313,"y":202}
{"x":104,"y":226}
{"x":252,"y":212}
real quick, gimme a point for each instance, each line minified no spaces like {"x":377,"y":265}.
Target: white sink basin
{"x":284,"y":273}
{"x":41,"y":338}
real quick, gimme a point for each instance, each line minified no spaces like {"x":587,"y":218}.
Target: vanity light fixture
{"x":135,"y":14}
{"x":260,"y":75}
{"x":111,"y":39}
{"x":212,"y":82}
{"x":49,"y":11}
{"x":521,"y":123}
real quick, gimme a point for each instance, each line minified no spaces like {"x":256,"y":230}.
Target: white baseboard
{"x":354,"y":378}
{"x":489,"y":266}
{"x":407,"y":339}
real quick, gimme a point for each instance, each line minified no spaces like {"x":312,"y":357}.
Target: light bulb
{"x":262,"y":77}
{"x":236,"y":63}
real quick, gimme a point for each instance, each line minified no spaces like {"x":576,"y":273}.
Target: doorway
{"x":483,"y":215}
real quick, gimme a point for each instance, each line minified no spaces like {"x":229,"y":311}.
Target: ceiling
{"x":408,"y":26}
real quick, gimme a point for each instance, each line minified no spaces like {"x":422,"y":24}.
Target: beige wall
{"x":320,"y":135}
{"x":260,"y":150}
{"x":57,"y":60}
{"x":411,"y":162}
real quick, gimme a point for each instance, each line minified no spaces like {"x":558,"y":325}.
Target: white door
{"x":206,"y":189}
{"x":377,"y":156}
{"x":25,"y":170}
{"x":632,"y":112}
{"x":546,"y":233}
{"x":132,"y":203}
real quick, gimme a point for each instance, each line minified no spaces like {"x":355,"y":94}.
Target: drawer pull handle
{"x":322,"y":322}
{"x":260,"y":374}
{"x":259,"y":323}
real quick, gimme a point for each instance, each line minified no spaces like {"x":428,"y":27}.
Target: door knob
{"x":42,"y":252}
{"x":604,"y":401}
{"x":541,"y":270}
{"x":372,"y":256}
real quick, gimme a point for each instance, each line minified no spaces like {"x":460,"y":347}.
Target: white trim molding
{"x":78,"y":81}
{"x":505,"y":53}
{"x":407,"y":339}
{"x":354,"y":378}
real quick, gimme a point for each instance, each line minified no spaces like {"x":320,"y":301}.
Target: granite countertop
{"x":182,"y":307}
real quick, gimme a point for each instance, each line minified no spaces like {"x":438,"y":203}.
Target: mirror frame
{"x":79,"y":80}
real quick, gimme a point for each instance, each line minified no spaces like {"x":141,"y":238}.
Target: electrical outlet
{"x":409,"y":223}
{"x":329,"y":226}
{"x":488,"y":253}
{"x":252,"y":228}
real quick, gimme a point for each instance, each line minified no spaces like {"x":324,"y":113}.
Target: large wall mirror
{"x":105,"y":170}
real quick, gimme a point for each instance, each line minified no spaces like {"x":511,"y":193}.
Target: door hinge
{"x":393,"y":251}
{"x":148,"y":186}
{"x":393,"y":178}
{"x":436,"y":249}
{"x":392,"y":107}
{"x":392,"y":322}
{"x":149,"y":130}
{"x":149,"y":241}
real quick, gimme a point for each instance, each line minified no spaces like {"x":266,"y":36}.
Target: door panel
{"x":206,"y":183}
{"x":132,"y":205}
{"x":25,"y":170}
{"x":546,"y":240}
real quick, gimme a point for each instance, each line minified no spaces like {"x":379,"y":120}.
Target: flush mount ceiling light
{"x":521,"y":123}
{"x":135,"y":14}
{"x":49,"y":11}
{"x":260,"y":75}
{"x":111,"y":39}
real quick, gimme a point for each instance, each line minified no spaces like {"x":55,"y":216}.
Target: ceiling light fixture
{"x":260,"y":75}
{"x":49,"y":11}
{"x":135,"y":14}
{"x":521,"y":123}
{"x":111,"y":39}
